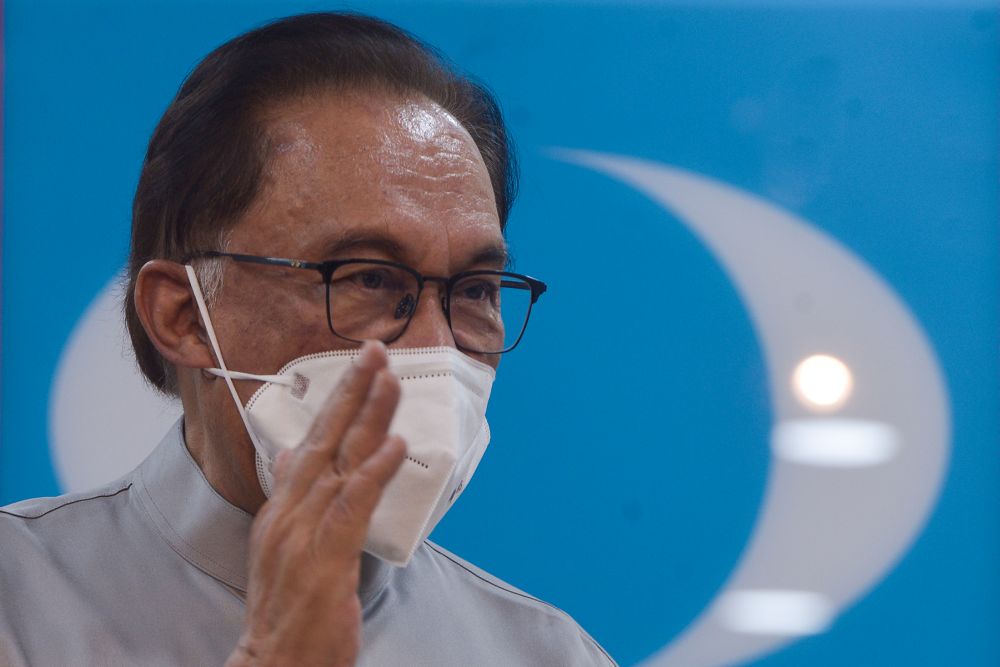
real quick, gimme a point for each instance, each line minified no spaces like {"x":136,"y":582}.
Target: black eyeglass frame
{"x":327,"y":268}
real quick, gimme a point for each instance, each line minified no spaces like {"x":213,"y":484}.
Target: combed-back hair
{"x":204,"y":165}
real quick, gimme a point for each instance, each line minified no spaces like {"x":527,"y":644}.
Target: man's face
{"x":353,"y":175}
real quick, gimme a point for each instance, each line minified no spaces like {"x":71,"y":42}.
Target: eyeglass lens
{"x":488,"y":312}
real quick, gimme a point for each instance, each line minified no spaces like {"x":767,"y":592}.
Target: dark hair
{"x":203,"y":167}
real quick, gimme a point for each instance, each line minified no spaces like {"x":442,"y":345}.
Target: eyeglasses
{"x":366,"y":299}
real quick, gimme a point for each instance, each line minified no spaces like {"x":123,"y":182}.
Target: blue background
{"x":630,"y":449}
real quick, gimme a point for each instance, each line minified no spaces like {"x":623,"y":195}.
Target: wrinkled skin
{"x":351,"y":175}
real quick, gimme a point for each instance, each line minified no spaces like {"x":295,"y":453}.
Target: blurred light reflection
{"x":835,"y":442}
{"x":775,"y":612}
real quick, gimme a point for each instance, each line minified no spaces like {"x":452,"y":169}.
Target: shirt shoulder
{"x":92,"y":569}
{"x":49,"y":535}
{"x":55,"y":555}
{"x":551,"y":635}
{"x":50,"y":523}
{"x":38,"y":508}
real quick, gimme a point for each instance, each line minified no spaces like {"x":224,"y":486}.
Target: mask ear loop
{"x":222,"y":371}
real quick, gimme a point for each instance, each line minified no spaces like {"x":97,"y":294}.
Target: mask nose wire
{"x":225,"y":373}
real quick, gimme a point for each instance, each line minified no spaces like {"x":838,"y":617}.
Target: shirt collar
{"x":203,"y":527}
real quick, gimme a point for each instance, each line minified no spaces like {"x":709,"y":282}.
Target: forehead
{"x":346,"y":164}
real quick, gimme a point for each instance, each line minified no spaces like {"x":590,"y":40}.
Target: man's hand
{"x":305,"y":545}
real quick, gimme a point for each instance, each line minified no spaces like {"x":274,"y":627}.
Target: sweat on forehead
{"x":361,"y":162}
{"x":368,"y":119}
{"x":366,"y":144}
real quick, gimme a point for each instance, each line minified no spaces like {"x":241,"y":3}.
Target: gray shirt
{"x":152,"y":570}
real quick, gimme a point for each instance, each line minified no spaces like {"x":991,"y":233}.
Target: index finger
{"x":340,"y":410}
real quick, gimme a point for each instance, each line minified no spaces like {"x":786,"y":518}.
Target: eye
{"x":478,"y":290}
{"x":367,"y":278}
{"x":370,"y":279}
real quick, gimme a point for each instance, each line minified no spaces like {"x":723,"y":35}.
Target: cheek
{"x":272,"y":327}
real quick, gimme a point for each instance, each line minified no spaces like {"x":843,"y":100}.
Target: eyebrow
{"x":368,"y":240}
{"x":493,"y":254}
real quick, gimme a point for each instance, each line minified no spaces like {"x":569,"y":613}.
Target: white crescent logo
{"x":861,"y":439}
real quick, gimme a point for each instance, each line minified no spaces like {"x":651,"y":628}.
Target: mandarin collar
{"x":204,"y":528}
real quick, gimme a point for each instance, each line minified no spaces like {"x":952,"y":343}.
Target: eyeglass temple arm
{"x":537,"y":287}
{"x":254,"y":259}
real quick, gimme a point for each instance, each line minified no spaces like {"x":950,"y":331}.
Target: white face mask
{"x":441,"y":415}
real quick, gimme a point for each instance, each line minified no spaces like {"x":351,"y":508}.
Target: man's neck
{"x":223,"y":451}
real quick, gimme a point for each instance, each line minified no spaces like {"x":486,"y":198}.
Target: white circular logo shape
{"x":104,"y":418}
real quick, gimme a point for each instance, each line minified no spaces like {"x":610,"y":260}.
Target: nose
{"x":429,"y":325}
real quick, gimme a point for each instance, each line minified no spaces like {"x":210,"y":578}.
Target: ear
{"x":169,"y":314}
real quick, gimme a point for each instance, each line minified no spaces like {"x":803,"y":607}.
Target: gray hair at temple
{"x":204,"y":165}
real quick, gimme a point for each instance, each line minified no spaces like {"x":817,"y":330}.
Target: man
{"x":319,"y":189}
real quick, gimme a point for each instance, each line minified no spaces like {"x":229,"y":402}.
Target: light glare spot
{"x":822,"y":382}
